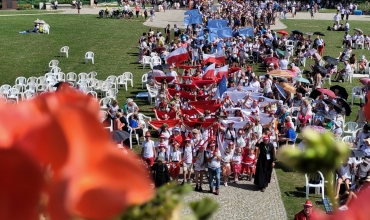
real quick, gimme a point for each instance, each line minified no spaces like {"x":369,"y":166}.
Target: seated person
{"x":344,"y":176}
{"x":344,"y":72}
{"x":337,"y":129}
{"x":289,"y":134}
{"x":345,"y":54}
{"x":136,"y":125}
{"x":350,"y":194}
{"x":366,"y":147}
{"x":362,"y":64}
{"x":34,"y":30}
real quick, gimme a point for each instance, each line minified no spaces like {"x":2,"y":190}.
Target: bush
{"x":23,"y":6}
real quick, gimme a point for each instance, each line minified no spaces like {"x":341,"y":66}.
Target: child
{"x":249,"y":161}
{"x":162,"y":151}
{"x":161,"y":175}
{"x":199,"y":168}
{"x":237,"y":166}
{"x":175,"y":160}
{"x":226,"y":169}
{"x":188,"y":160}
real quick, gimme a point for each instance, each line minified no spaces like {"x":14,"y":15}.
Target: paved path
{"x":243,"y":201}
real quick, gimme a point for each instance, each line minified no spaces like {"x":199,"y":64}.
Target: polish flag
{"x":209,"y":73}
{"x":222,"y":71}
{"x":177,"y":56}
{"x":218,"y":57}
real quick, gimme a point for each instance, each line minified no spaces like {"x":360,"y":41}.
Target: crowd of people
{"x":233,"y":133}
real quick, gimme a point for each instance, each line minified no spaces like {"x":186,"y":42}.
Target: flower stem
{"x":330,"y":177}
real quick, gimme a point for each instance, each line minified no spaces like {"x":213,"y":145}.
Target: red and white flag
{"x":209,"y":73}
{"x":218,"y":57}
{"x":177,"y":56}
{"x":222,"y":71}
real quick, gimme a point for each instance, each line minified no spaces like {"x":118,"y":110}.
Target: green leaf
{"x":204,"y":208}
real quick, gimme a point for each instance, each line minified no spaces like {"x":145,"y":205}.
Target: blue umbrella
{"x":301,"y":79}
{"x":280,"y":90}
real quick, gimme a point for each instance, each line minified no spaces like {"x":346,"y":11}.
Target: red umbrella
{"x":327,"y":92}
{"x":161,"y":78}
{"x":283,"y":32}
{"x":365,"y":81}
{"x":234,"y":69}
{"x":186,"y":66}
{"x":273,"y":60}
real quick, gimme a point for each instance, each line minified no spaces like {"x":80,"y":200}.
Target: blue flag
{"x":195,"y":19}
{"x":192,"y":12}
{"x":224,"y":32}
{"x":221,"y":88}
{"x":217,"y":23}
{"x":186,"y":21}
{"x":248,"y":32}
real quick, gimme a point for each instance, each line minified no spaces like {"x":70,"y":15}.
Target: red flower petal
{"x":21,"y":181}
{"x":367,"y":108}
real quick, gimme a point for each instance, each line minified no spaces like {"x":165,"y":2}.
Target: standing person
{"x":214,"y":170}
{"x":348,"y":12}
{"x":137,"y":10}
{"x":151,"y":14}
{"x":265,"y":164}
{"x":199,"y":168}
{"x":187,"y":155}
{"x":146,"y":14}
{"x":95,"y":3}
{"x":237,"y":163}
{"x":342,"y":12}
{"x":148,"y":150}
{"x":167,"y":31}
{"x":226,"y":169}
{"x":160,"y":171}
{"x":175,"y":160}
{"x":78,"y":6}
{"x":320,"y":45}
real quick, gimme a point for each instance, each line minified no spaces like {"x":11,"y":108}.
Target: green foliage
{"x":23,"y":6}
{"x":204,"y":208}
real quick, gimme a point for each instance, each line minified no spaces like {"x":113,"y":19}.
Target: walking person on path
{"x":78,"y":6}
{"x":152,"y":14}
{"x":214,"y":168}
{"x":137,"y":10}
{"x":265,"y":163}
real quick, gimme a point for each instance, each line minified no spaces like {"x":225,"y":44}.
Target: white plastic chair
{"x":64,"y":50}
{"x":19,"y":87}
{"x":61,"y":77}
{"x":89,"y":56}
{"x":27,"y":95}
{"x":112,"y":79}
{"x":46,"y":29}
{"x":146,"y":60}
{"x":316,"y":186}
{"x":53,"y":63}
{"x":112,"y":93}
{"x":42,"y":87}
{"x":92,"y":75}
{"x":129,"y":77}
{"x":350,"y":128}
{"x":357,"y":93}
{"x":104,"y":102}
{"x":295,"y":109}
{"x":5,"y":89}
{"x":289,"y":43}
{"x":93,"y":94}
{"x":359,"y":45}
{"x":55,"y":70}
{"x":41,"y":80}
{"x":348,"y":139}
{"x":328,"y":78}
{"x":349,"y":76}
{"x":21,"y":81}
{"x":121,"y":81}
{"x":132,"y":131}
{"x":144,"y":80}
{"x":13,"y":94}
{"x":32,"y":79}
{"x":31,"y":87}
{"x":152,"y":93}
{"x":156,"y":61}
{"x":82,"y":77}
{"x":71,"y":77}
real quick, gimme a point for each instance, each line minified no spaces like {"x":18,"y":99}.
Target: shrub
{"x":23,"y":6}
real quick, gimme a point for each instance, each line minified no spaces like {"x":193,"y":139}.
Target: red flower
{"x":91,"y":179}
{"x":367,"y":108}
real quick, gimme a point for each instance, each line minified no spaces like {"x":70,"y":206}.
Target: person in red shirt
{"x":307,"y":213}
{"x":176,"y":136}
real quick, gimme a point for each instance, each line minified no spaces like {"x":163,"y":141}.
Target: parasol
{"x":319,"y":33}
{"x":309,"y":33}
{"x":336,"y":106}
{"x":282,"y":73}
{"x":331,"y":60}
{"x":119,"y":135}
{"x":322,"y":70}
{"x":301,"y":79}
{"x":297,"y":32}
{"x":159,"y":49}
{"x":280,"y":52}
{"x":156,"y":73}
{"x":287,"y":87}
{"x":37,"y":21}
{"x":281,"y":90}
{"x":342,"y":91}
{"x":358,"y":29}
{"x":282,"y":32}
{"x":323,"y":114}
{"x":365,"y":81}
{"x":310,"y":53}
{"x":273,"y":60}
{"x":41,"y":22}
{"x":327,"y":92}
{"x":345,"y":105}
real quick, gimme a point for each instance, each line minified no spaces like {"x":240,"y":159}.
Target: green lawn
{"x":28,"y":11}
{"x":115,"y":44}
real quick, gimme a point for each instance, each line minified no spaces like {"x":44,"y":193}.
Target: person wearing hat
{"x":362,"y":64}
{"x":265,"y":163}
{"x":162,"y":151}
{"x":306,"y":213}
{"x":148,"y":150}
{"x":226,"y":168}
{"x":161,"y":175}
{"x":364,"y":134}
{"x":214,"y":168}
{"x":131,"y":106}
{"x":230,"y":133}
{"x":363,"y":169}
{"x":187,"y":154}
{"x":175,"y":161}
{"x":289,"y":136}
{"x":337,"y":129}
{"x":240,"y":139}
{"x":176,"y":136}
{"x":366,"y":147}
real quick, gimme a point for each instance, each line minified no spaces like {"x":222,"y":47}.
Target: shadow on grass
{"x":295,"y":194}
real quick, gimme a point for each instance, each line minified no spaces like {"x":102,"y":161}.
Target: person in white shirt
{"x":148,"y":149}
{"x":175,"y":160}
{"x":344,"y":176}
{"x":363,"y":169}
{"x":255,"y":84}
{"x":283,"y":64}
{"x":237,"y":163}
{"x":344,"y":72}
{"x":172,"y":73}
{"x":214,"y":168}
{"x":366,"y":147}
{"x":187,"y":154}
{"x":336,"y":19}
{"x":226,"y":168}
{"x":337,"y":129}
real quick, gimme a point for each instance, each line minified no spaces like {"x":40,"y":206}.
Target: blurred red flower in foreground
{"x":90,"y":178}
{"x":358,"y":209}
{"x":367,"y":108}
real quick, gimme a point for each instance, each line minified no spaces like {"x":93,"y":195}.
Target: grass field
{"x":115,"y":44}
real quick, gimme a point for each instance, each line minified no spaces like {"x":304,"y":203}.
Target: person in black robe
{"x":161,"y":175}
{"x":265,"y":163}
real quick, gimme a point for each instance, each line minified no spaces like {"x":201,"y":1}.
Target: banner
{"x":248,"y":31}
{"x":217,"y":23}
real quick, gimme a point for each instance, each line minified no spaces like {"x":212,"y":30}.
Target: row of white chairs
{"x":152,"y":61}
